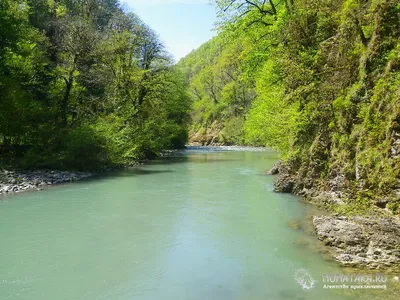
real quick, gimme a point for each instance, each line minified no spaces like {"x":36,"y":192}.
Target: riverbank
{"x":21,"y":181}
{"x":368,"y":239}
{"x":15,"y":181}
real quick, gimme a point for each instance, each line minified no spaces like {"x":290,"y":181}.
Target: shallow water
{"x":203,"y":224}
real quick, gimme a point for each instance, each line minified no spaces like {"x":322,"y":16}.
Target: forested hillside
{"x":84,"y":84}
{"x":318,"y":80}
{"x":221,"y":95}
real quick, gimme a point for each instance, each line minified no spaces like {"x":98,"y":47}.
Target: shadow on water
{"x":225,"y":149}
{"x":139,"y":171}
{"x":185,"y":159}
{"x":168,"y":160}
{"x":129,"y":172}
{"x":162,"y":162}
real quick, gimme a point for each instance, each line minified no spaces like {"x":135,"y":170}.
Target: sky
{"x":183,"y":25}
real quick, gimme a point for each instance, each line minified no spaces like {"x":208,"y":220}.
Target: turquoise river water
{"x":203,"y":224}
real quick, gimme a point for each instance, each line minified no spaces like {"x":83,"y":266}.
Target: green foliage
{"x":323,"y":77}
{"x":233,"y":133}
{"x":267,"y":121}
{"x":84,"y":84}
{"x":84,"y":149}
{"x":219,"y":91}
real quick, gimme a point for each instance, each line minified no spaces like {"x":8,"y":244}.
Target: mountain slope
{"x":322,"y":86}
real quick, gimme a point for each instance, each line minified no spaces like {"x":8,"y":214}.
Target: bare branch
{"x":229,"y":6}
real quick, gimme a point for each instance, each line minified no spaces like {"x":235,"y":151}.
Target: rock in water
{"x":361,"y":241}
{"x":284,"y":183}
{"x":275,"y":169}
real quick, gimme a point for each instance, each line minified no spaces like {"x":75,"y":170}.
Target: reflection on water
{"x":200,"y":224}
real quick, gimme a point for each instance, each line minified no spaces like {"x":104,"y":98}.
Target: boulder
{"x":361,"y":241}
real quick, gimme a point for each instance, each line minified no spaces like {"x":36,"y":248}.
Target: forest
{"x":85,"y":85}
{"x":317,"y":80}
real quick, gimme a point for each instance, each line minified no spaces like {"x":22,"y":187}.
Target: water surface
{"x":202,"y":225}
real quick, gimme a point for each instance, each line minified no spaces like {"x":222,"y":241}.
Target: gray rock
{"x":369,"y":242}
{"x":285,"y":182}
{"x":22,"y":181}
{"x":275,"y":169}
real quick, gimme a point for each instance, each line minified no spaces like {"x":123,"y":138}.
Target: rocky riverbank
{"x":210,"y":136}
{"x":14,"y":182}
{"x":361,"y":241}
{"x":371,"y":241}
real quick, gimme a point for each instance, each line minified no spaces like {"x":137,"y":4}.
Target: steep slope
{"x":220,"y":95}
{"x":322,"y":86}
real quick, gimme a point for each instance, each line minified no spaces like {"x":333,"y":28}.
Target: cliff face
{"x":347,"y":157}
{"x":354,"y":150}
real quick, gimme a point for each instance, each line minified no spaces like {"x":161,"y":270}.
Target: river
{"x":203,"y":224}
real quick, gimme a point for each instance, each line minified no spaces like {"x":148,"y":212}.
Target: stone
{"x":294,"y":224}
{"x":361,"y":241}
{"x":284,"y":184}
{"x":275,"y":169}
{"x":23,"y":181}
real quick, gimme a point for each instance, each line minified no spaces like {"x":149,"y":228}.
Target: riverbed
{"x":199,"y":224}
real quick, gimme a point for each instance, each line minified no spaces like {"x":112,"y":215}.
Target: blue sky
{"x":183,"y":25}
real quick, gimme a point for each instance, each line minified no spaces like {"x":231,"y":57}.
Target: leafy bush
{"x":85,"y":149}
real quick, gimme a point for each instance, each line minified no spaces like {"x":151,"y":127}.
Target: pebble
{"x":13,"y":182}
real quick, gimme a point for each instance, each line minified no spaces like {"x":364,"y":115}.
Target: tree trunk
{"x":64,"y":104}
